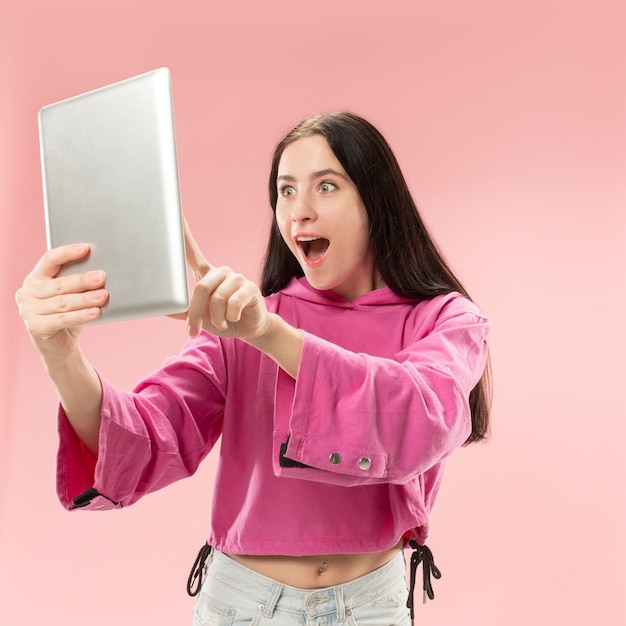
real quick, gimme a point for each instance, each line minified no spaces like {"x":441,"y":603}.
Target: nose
{"x":302,"y":210}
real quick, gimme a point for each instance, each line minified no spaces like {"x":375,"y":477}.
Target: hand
{"x":55,"y":307}
{"x":223,"y":302}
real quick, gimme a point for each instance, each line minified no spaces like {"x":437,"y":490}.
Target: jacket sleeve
{"x":357,"y":419}
{"x":150,"y":437}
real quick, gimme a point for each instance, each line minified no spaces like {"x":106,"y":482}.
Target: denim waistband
{"x":317,"y":602}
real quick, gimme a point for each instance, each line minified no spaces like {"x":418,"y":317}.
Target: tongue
{"x":317,"y":248}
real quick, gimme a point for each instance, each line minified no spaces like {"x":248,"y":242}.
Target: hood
{"x":301,"y":289}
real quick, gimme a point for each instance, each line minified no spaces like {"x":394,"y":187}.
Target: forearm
{"x":282,"y":343}
{"x":80,"y":393}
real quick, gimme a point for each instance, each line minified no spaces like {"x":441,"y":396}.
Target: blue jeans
{"x":233,"y":595}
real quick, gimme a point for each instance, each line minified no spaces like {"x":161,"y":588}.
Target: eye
{"x":286,"y":191}
{"x":327,"y":186}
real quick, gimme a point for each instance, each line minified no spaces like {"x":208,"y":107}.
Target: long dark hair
{"x":405,"y":254}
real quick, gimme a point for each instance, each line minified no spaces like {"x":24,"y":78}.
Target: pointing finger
{"x":196,"y":260}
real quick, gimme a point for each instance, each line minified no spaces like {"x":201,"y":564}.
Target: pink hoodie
{"x":345,"y":459}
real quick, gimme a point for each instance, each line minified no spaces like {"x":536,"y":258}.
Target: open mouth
{"x":313,"y":248}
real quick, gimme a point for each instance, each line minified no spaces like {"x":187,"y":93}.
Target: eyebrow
{"x":314,"y":175}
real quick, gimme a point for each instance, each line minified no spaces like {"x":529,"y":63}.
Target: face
{"x":322,"y":219}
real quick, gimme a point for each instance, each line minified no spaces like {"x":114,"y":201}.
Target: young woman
{"x":337,"y":388}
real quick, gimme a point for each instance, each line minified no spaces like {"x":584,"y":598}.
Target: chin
{"x":320,"y":285}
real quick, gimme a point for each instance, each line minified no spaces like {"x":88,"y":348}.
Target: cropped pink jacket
{"x":347,"y":458}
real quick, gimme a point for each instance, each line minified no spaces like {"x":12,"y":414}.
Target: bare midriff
{"x":313,"y":572}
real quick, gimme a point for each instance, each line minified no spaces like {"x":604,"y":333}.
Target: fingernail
{"x":95,"y":277}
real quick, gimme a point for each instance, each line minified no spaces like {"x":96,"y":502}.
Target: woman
{"x":337,"y":389}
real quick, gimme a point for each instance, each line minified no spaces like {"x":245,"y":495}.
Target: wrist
{"x":62,"y":366}
{"x":282,"y":343}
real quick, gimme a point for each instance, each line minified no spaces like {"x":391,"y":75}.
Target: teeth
{"x":307,"y":238}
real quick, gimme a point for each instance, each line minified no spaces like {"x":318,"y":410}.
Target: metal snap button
{"x":365,"y":463}
{"x":335,"y":458}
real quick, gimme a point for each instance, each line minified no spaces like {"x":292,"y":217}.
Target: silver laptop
{"x":110,"y":179}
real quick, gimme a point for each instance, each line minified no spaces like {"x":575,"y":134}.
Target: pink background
{"x":509,"y":120}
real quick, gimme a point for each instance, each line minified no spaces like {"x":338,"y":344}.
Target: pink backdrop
{"x":509,"y":119}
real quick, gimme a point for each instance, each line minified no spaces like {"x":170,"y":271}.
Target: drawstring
{"x":197,"y":571}
{"x":421,"y":554}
